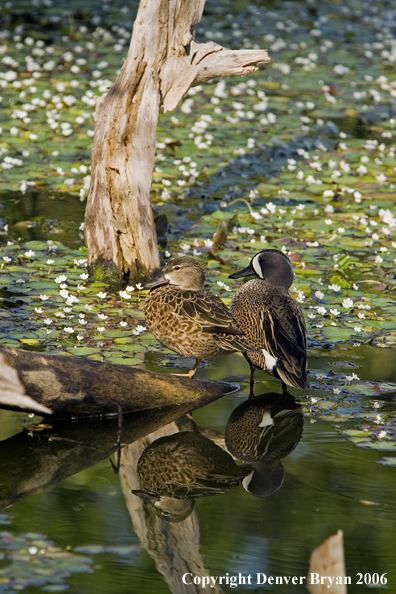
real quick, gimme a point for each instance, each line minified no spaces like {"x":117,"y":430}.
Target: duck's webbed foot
{"x":191,"y":373}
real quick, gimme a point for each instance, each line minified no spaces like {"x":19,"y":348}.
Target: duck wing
{"x":284,"y":338}
{"x":214,"y":318}
{"x":211,"y":313}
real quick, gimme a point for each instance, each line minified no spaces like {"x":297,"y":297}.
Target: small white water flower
{"x":352,"y":377}
{"x":347,"y":303}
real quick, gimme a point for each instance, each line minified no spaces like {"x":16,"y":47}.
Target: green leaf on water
{"x":388,"y":461}
{"x":341,"y":282}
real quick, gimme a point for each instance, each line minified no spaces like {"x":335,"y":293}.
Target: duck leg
{"x":190,"y":374}
{"x":118,"y":443}
{"x":251,"y":381}
{"x":285,"y":391}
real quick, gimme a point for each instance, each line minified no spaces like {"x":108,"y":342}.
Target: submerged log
{"x":74,"y":386}
{"x":162,"y":63}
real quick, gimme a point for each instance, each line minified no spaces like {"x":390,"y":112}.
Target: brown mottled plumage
{"x":260,"y":432}
{"x":177,"y":469}
{"x":271,"y":320}
{"x":186,"y":318}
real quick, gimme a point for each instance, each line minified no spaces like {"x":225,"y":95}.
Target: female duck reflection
{"x":176,"y":470}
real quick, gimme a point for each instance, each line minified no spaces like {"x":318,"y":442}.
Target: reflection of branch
{"x":173,"y":546}
{"x":31,"y":462}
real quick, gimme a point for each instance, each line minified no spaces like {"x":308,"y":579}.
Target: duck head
{"x":170,"y":509}
{"x":184,"y":272}
{"x":272,"y":266}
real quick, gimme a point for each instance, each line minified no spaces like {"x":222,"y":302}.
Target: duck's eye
{"x":165,"y":513}
{"x":176,"y":268}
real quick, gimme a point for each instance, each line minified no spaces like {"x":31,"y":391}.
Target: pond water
{"x":329,"y":484}
{"x":298,"y":156}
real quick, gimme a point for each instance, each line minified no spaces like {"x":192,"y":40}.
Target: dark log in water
{"x":75,"y":387}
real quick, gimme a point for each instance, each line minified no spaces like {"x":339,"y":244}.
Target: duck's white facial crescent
{"x":257,"y":267}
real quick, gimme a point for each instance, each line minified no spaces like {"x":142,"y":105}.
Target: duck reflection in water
{"x":175,"y":470}
{"x":260,"y":432}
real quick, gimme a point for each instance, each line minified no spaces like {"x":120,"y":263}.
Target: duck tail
{"x":291,"y":379}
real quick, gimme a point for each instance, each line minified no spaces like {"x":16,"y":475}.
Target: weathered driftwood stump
{"x":75,"y":387}
{"x":162,"y":63}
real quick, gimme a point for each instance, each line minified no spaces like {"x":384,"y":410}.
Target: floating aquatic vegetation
{"x":299,"y":156}
{"x":32,"y":560}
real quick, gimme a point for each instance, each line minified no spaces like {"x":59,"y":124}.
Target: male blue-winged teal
{"x":186,"y":318}
{"x":260,"y":432}
{"x":271,"y":320}
{"x":177,"y":469}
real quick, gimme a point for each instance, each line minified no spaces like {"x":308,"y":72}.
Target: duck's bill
{"x":146,"y":496}
{"x":156,"y":281}
{"x":248,"y":271}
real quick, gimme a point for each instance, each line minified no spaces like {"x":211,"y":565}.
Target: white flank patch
{"x":257,"y":267}
{"x":270,"y":361}
{"x":246,"y":481}
{"x":266,"y":421}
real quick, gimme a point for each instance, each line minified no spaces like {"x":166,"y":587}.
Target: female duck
{"x":186,"y":318}
{"x":271,"y":320}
